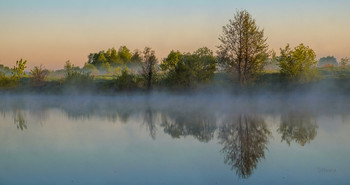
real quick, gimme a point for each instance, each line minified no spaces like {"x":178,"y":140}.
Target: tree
{"x":114,"y":59}
{"x":243,"y":48}
{"x":75,"y":77}
{"x":101,"y":59}
{"x":90,"y":68}
{"x":297,"y":64}
{"x":344,"y":61}
{"x":39,"y":75}
{"x":68,"y":68}
{"x":18,"y":69}
{"x":191,"y":69}
{"x":207,"y":64}
{"x":136,"y":57}
{"x":125,"y":81}
{"x":171,"y":61}
{"x":124,"y":54}
{"x":105,"y":68}
{"x":149,"y":68}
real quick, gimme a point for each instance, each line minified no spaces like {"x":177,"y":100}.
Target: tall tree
{"x":149,"y":68}
{"x":243,"y":48}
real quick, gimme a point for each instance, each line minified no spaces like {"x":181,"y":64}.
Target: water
{"x":173,"y":140}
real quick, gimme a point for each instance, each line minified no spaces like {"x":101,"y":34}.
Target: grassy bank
{"x":335,"y":80}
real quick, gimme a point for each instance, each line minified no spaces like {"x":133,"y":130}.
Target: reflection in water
{"x":19,"y":120}
{"x":244,"y":139}
{"x":198,"y":124}
{"x":150,"y":121}
{"x":300,"y":127}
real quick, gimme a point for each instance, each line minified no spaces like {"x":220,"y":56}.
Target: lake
{"x":174,"y":139}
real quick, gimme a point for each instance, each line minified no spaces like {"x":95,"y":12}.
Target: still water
{"x":173,"y":140}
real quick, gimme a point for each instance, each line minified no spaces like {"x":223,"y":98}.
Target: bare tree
{"x":243,"y":48}
{"x":149,"y":68}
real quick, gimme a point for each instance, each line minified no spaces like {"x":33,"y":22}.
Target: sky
{"x":50,"y":32}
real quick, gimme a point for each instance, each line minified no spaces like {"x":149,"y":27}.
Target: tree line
{"x":243,"y":53}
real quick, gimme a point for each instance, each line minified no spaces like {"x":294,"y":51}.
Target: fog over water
{"x":174,"y":139}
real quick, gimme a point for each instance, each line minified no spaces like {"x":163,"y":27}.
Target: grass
{"x":333,"y":79}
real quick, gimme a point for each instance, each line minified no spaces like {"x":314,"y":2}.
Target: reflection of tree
{"x":40,"y":114}
{"x":298,"y":127}
{"x":19,"y":120}
{"x":200,"y":125}
{"x":244,"y":139}
{"x":149,"y":120}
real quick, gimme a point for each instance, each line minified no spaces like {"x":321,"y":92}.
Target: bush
{"x":75,"y":77}
{"x":298,"y":64}
{"x":126,"y":81}
{"x":7,"y":82}
{"x":39,"y":74}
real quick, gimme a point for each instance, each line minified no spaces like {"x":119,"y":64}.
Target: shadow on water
{"x":243,"y":136}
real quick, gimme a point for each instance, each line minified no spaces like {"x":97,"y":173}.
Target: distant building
{"x":329,"y":61}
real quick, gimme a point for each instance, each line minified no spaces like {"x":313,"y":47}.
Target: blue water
{"x":60,"y":140}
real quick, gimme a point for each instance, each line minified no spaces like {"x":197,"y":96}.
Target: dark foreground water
{"x":174,"y":140}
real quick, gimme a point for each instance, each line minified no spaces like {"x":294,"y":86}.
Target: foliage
{"x":4,"y":69}
{"x":298,"y":64}
{"x":114,"y":58}
{"x":90,"y":68}
{"x":136,"y":57}
{"x":39,"y":74}
{"x":105,"y":68}
{"x":126,"y":81}
{"x":344,"y":61}
{"x":171,"y":61}
{"x":117,"y":71}
{"x":149,"y":68}
{"x":192,"y":69}
{"x":18,"y":69}
{"x":6,"y":82}
{"x":243,"y":48}
{"x":124,"y":54}
{"x":75,"y":77}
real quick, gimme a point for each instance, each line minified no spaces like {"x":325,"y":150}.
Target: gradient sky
{"x":50,"y":32}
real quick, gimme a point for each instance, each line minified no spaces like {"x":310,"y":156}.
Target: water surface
{"x":214,"y":139}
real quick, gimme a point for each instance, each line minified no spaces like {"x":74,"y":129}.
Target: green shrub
{"x":126,"y":81}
